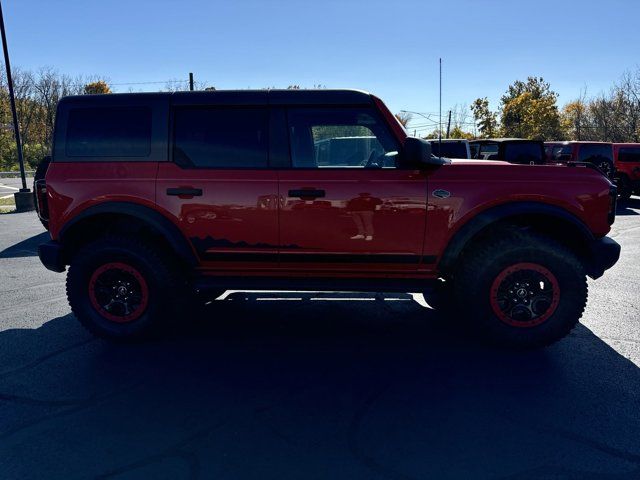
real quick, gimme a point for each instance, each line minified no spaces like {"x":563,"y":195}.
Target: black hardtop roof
{"x":502,"y":140}
{"x":572,"y":142}
{"x":447,"y":140}
{"x":239,"y":97}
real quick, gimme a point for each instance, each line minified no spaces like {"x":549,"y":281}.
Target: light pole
{"x":23,"y":198}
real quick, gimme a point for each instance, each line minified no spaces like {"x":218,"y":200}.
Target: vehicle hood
{"x":466,"y":161}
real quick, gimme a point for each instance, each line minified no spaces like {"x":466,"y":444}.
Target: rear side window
{"x":523,"y":152}
{"x":221,"y":137}
{"x":629,"y":154}
{"x":595,"y":153}
{"x":109,"y":132}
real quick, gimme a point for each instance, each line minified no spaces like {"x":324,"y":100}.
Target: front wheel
{"x":120,"y":288}
{"x":523,"y":291}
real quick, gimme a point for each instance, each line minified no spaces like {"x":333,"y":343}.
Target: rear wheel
{"x":119,"y":288}
{"x":524,"y":291}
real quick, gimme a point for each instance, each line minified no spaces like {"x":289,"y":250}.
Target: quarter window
{"x":340,"y":138}
{"x":219,"y":137}
{"x":109,"y":132}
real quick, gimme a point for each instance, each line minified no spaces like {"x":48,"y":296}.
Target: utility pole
{"x":190,"y":81}
{"x":449,"y":124}
{"x":23,"y":198}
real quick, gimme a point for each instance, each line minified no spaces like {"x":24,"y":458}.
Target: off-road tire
{"x":482,"y":267}
{"x":163,"y":285}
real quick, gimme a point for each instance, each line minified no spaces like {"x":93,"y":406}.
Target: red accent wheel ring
{"x":118,"y":292}
{"x":525,"y":295}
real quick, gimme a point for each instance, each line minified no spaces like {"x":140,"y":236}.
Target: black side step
{"x":399,"y":285}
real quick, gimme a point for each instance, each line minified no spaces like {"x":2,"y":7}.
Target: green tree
{"x":485,"y":119}
{"x":457,"y":132}
{"x":529,"y":110}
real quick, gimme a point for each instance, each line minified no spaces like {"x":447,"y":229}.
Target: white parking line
{"x":10,"y":188}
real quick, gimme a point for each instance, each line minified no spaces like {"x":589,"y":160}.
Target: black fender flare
{"x":147,"y":215}
{"x":499,"y":213}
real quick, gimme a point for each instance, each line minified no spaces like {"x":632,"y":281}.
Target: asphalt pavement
{"x":9,"y":186}
{"x":313,"y":386}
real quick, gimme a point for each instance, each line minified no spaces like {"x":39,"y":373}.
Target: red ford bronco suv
{"x":152,"y":197}
{"x":627,"y":161}
{"x":599,"y":154}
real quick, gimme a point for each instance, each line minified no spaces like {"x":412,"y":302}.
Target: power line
{"x":133,"y":83}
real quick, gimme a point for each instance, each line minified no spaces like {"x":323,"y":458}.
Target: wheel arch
{"x":124,"y":217}
{"x":550,"y":220}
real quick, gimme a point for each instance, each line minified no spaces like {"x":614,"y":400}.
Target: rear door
{"x":345,"y":204}
{"x":218,"y":187}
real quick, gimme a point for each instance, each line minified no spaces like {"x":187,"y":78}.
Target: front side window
{"x":221,"y":137}
{"x":629,"y":154}
{"x":109,"y":132}
{"x":340,"y":138}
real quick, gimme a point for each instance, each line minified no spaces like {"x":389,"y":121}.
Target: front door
{"x":345,"y":204}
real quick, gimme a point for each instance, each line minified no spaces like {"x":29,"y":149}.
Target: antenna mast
{"x":440,"y":115}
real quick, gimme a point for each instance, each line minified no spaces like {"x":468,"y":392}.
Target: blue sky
{"x":390,"y":48}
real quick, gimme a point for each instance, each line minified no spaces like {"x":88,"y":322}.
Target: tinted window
{"x":594,"y":153}
{"x":475,"y":150}
{"x":562,"y":153}
{"x":340,"y":138}
{"x":213,"y":137}
{"x":109,"y":132}
{"x":449,"y":149}
{"x":488,"y":151}
{"x":523,"y":152}
{"x":629,"y":154}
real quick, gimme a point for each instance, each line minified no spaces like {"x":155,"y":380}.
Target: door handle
{"x":307,"y":194}
{"x":185,"y":192}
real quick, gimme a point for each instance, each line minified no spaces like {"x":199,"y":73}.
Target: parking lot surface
{"x":313,"y":386}
{"x":9,"y":186}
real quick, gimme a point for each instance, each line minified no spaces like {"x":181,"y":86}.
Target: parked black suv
{"x":512,"y":150}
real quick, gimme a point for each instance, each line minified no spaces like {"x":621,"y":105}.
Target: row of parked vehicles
{"x":618,"y":161}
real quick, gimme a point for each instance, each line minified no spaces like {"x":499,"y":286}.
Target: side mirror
{"x":417,"y":153}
